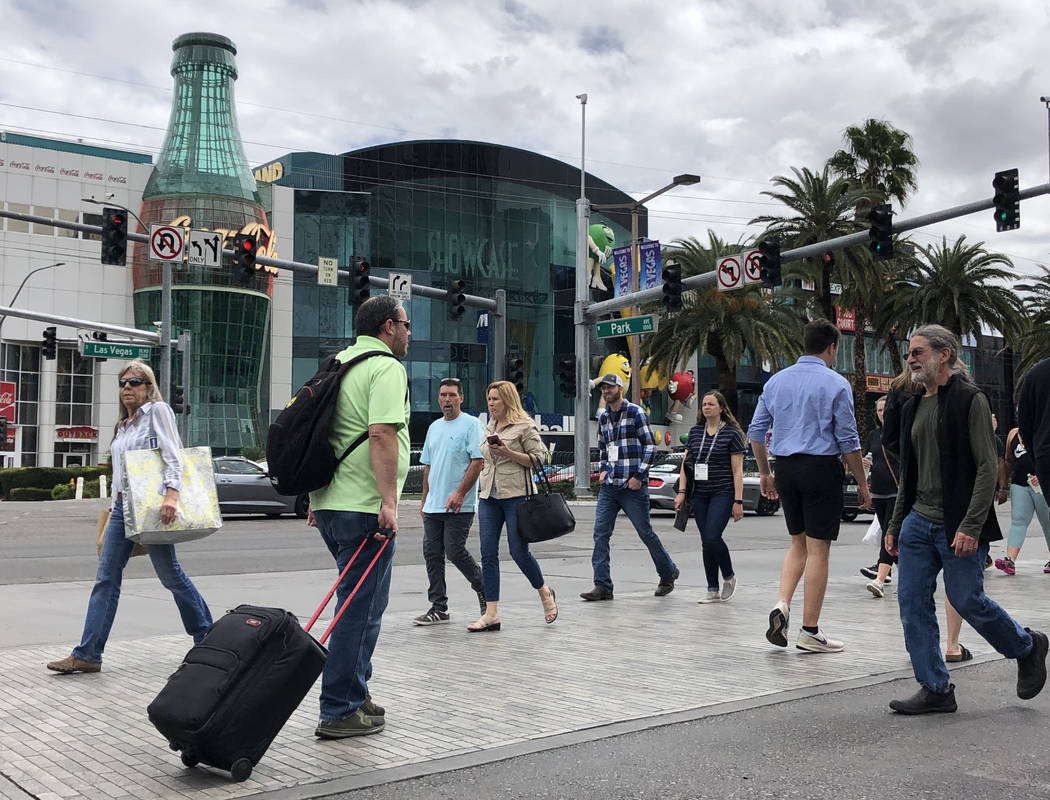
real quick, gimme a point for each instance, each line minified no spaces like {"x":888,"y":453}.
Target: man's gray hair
{"x":372,"y":314}
{"x":940,"y":338}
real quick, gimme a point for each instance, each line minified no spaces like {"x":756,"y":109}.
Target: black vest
{"x":958,"y":469}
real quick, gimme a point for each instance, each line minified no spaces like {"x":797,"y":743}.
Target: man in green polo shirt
{"x":361,"y":504}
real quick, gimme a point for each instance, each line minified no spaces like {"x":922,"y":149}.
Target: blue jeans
{"x":344,"y":683}
{"x":635,"y":504}
{"x":924,"y":552}
{"x":102,"y":605}
{"x":712,"y":515}
{"x":1024,"y":503}
{"x":492,"y":513}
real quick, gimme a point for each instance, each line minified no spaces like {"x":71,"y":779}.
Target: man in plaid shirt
{"x":627,"y":447}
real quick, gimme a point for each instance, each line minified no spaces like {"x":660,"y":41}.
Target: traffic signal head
{"x":566,"y":364}
{"x":1007,"y":200}
{"x":880,"y":234}
{"x":50,"y":346}
{"x":244,"y":246}
{"x":672,"y":298}
{"x":178,"y":399}
{"x":516,"y":371}
{"x":769,"y":262}
{"x":457,"y":300}
{"x":114,"y":236}
{"x":359,"y":284}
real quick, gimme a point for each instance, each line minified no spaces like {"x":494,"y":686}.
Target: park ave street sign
{"x":630,"y":326}
{"x":114,"y":350}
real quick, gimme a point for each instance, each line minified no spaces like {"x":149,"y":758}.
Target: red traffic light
{"x":247,"y":244}
{"x":118,"y":219}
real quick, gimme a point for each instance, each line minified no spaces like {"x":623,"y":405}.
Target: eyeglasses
{"x":918,"y":351}
{"x":122,"y":382}
{"x":406,"y":322}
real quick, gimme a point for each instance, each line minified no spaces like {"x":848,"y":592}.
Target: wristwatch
{"x":738,"y":502}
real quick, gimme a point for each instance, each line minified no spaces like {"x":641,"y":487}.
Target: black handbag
{"x":543,"y":514}
{"x":685,"y":512}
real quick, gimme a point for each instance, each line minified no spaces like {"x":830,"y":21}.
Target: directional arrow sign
{"x":115,"y":350}
{"x":631,"y":326}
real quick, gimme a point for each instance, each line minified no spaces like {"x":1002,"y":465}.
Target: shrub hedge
{"x":29,"y":493}
{"x":46,"y":478}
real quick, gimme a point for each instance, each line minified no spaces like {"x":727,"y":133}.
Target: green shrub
{"x":47,"y":477}
{"x":28,"y":493}
{"x":61,"y":491}
{"x":254,"y":453}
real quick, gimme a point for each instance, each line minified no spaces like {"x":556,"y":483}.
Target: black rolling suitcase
{"x":235,"y":690}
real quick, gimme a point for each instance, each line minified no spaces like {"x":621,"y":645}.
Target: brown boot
{"x":71,"y":664}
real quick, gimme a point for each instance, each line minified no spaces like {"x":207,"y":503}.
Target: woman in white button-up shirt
{"x":145,"y":422}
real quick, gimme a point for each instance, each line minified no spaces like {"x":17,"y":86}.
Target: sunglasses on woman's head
{"x":122,"y":382}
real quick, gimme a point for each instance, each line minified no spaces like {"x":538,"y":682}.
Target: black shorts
{"x":810,"y":489}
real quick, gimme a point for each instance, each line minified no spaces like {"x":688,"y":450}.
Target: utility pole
{"x":581,"y":438}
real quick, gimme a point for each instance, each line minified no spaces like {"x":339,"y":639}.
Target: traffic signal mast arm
{"x":594,"y":311}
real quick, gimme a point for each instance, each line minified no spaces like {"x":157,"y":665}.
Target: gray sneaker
{"x":711,"y":597}
{"x":728,"y":588}
{"x":432,"y":617}
{"x":357,"y":724}
{"x":370,"y":709}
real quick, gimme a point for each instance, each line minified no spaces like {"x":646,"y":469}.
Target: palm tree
{"x":877,"y":158}
{"x":1033,"y":340}
{"x":959,"y":287}
{"x":723,"y":325}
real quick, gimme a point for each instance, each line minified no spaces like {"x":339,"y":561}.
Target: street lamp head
{"x":686,"y":180}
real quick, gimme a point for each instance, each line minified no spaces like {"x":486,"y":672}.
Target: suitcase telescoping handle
{"x":346,"y":603}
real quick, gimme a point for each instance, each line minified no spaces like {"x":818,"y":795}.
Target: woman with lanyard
{"x":145,"y":421}
{"x":714,"y":466}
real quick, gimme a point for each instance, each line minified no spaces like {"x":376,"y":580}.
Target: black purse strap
{"x":541,"y":477}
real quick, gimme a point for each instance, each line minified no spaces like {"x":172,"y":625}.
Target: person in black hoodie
{"x":885,"y":467}
{"x":1033,"y":418}
{"x":944,"y":520}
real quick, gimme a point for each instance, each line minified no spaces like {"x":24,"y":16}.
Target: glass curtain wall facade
{"x":495,"y":217}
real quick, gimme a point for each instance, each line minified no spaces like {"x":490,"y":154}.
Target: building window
{"x":92,"y":219}
{"x":22,"y":365}
{"x":17,"y":225}
{"x":73,"y":388}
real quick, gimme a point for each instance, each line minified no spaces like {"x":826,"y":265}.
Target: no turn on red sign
{"x":165,"y":243}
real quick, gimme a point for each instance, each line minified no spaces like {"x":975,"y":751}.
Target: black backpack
{"x":299,"y":456}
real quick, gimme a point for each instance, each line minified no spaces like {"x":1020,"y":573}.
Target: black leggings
{"x":884,"y":512}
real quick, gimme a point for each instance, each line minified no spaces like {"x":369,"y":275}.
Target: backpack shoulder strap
{"x":344,"y":368}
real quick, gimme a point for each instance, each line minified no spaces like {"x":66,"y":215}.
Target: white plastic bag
{"x":874,"y":534}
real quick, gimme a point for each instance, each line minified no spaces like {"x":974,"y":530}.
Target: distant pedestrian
{"x":944,"y":520}
{"x":1026,"y":500}
{"x":452,"y":462}
{"x":626,"y":448}
{"x":810,"y":409}
{"x":512,"y":445}
{"x":359,"y":508}
{"x":884,"y":468}
{"x":714,"y":467}
{"x":1033,"y":418}
{"x":145,"y":422}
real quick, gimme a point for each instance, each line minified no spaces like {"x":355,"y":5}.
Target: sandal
{"x":550,"y":608}
{"x":484,"y":627}
{"x":962,"y":655}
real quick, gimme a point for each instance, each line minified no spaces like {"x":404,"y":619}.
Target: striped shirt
{"x":629,"y":432}
{"x":715,"y":451}
{"x":152,"y":428}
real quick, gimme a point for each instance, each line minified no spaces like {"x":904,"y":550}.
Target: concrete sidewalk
{"x":453,"y":698}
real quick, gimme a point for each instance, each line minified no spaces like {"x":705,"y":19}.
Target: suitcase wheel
{"x":188,"y":759}
{"x":241,"y":769}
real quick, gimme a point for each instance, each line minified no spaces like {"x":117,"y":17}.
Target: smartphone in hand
{"x":494,"y":439}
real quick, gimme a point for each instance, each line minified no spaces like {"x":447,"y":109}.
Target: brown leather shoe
{"x":71,"y":664}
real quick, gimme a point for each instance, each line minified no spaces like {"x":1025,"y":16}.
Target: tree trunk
{"x":860,"y":370}
{"x":893,"y":345}
{"x":726,"y":373}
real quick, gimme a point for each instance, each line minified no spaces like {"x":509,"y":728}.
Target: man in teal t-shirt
{"x":452,"y":462}
{"x":358,"y":509}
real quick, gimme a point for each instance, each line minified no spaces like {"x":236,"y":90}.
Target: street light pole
{"x":3,"y":319}
{"x":634,"y":342}
{"x":165,"y":303}
{"x":581,"y":438}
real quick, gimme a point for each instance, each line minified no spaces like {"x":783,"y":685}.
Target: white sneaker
{"x":778,"y":623}
{"x":818,"y":643}
{"x":711,"y":597}
{"x":728,"y":588}
{"x":875,"y":588}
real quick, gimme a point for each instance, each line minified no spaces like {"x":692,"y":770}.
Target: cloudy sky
{"x":736,"y":91}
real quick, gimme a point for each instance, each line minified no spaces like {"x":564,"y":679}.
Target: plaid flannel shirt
{"x":629,"y":430}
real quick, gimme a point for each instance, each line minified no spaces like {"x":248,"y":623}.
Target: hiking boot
{"x":370,"y":709}
{"x":597,"y":593}
{"x":71,"y":664}
{"x":357,"y":724}
{"x":665,"y":587}
{"x":875,"y":589}
{"x":926,"y":702}
{"x":1006,"y":564}
{"x":432,"y":617}
{"x":1031,"y":669}
{"x":818,"y":643}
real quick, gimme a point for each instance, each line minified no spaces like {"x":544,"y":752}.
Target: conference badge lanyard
{"x":700,"y":468}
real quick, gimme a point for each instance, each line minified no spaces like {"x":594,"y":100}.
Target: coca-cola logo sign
{"x":8,"y":393}
{"x":7,"y":398}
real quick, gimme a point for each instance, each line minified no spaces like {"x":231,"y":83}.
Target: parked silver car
{"x":663,"y":486}
{"x":244,"y":487}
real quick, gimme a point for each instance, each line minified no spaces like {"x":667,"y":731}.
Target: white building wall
{"x":282,"y":221}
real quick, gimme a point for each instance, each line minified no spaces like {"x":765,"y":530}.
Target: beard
{"x":922,"y":375}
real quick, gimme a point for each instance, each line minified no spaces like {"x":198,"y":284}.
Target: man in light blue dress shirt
{"x":809,"y":408}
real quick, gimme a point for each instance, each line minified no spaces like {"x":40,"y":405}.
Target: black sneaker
{"x":597,"y":593}
{"x":370,"y":709}
{"x":666,"y":586}
{"x":926,"y":702}
{"x":871,"y":573}
{"x":1031,"y":669}
{"x":432,"y":617}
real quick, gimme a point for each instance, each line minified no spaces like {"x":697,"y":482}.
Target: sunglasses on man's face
{"x":122,"y":382}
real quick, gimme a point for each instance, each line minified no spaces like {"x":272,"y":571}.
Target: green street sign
{"x":629,"y":326}
{"x":114,"y":350}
